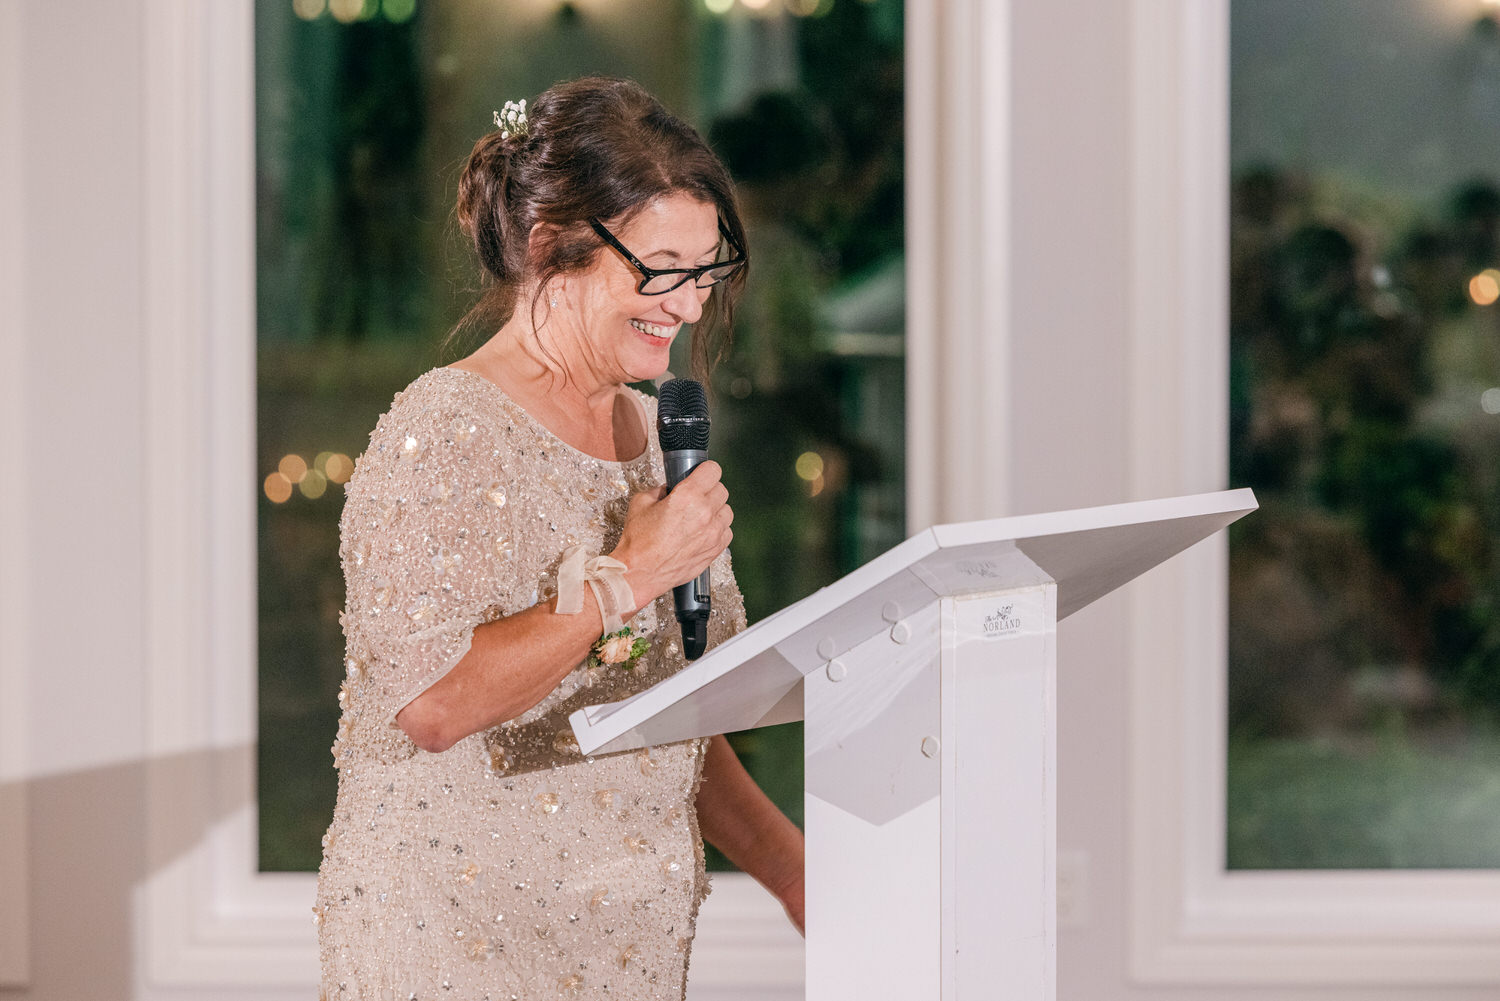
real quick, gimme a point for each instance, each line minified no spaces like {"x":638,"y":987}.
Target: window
{"x":365,"y":112}
{"x":1364,"y":656}
{"x":1193,"y":920}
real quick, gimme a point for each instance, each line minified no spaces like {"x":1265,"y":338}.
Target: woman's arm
{"x":742,"y":822}
{"x":515,"y":662}
{"x":512,"y":664}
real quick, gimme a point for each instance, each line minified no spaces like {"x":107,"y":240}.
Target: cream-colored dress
{"x":509,"y":866}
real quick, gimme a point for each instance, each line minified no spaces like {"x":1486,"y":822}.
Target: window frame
{"x":1192,"y":921}
{"x":15,"y":939}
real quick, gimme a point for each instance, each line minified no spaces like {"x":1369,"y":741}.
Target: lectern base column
{"x":931,"y":806}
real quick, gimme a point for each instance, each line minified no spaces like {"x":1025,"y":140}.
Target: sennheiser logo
{"x":1003,"y":621}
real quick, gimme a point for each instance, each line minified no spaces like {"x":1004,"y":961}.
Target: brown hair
{"x":593,"y":148}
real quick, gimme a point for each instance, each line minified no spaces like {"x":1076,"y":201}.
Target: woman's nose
{"x":685,"y":302}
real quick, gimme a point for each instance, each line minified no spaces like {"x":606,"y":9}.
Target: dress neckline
{"x":547,"y":432}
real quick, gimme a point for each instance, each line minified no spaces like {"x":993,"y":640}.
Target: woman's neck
{"x":586,"y":411}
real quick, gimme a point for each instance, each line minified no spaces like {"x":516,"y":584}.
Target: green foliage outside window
{"x":1365,"y":640}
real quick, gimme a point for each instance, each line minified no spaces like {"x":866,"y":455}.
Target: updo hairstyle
{"x":593,"y":148}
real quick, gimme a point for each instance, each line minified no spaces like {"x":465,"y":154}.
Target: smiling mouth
{"x":653,"y":330}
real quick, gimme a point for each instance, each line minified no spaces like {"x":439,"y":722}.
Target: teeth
{"x":652,"y":329}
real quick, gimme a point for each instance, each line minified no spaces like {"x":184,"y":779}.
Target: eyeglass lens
{"x":658,"y":284}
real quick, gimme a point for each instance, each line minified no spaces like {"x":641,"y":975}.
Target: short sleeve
{"x":426,"y":543}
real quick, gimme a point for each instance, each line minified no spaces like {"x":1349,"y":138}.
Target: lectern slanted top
{"x":754,"y":678}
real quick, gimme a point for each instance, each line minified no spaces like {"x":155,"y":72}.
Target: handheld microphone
{"x":682,"y":430}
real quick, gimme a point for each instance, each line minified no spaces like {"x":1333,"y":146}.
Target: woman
{"x":474,"y":852}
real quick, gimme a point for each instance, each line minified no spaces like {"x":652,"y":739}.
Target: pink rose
{"x":616,"y":649}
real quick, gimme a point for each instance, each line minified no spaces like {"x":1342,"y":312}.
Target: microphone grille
{"x":682,"y":415}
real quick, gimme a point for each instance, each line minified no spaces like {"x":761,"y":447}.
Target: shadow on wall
{"x":97,"y":838}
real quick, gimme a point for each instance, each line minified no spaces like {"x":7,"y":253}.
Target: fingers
{"x":671,"y":537}
{"x":704,"y":477}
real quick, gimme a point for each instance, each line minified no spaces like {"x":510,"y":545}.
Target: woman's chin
{"x":651,"y":368}
{"x":650,"y":375}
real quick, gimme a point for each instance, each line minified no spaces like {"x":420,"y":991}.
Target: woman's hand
{"x":747,"y":827}
{"x":670,"y":538}
{"x":791,"y":898}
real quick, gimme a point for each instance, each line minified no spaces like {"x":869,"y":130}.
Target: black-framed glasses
{"x":660,"y":281}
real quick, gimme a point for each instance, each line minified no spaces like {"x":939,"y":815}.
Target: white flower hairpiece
{"x":511,"y":119}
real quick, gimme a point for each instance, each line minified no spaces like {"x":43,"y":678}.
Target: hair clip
{"x":511,"y":119}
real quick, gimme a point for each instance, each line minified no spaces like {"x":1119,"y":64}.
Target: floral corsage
{"x":621,"y":648}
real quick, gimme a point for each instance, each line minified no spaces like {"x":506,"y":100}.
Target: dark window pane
{"x":1365,"y":386}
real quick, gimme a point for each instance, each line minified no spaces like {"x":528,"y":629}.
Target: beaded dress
{"x":509,"y":866}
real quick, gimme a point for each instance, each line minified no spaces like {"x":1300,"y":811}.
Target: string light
{"x":292,"y":467}
{"x":339,"y":467}
{"x":278,"y":488}
{"x":312,"y":481}
{"x":313,"y":484}
{"x":398,"y":11}
{"x":347,"y":11}
{"x":1484,"y":288}
{"x":810,"y":466}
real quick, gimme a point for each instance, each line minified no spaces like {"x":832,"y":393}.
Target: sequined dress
{"x":508,"y":866}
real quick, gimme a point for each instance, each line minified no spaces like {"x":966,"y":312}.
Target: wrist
{"x":640,"y":587}
{"x":636,"y":578}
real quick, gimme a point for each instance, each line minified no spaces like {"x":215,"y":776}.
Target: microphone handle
{"x":691,"y":599}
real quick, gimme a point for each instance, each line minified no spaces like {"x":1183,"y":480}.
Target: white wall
{"x":1026,"y":347}
{"x":73,"y":470}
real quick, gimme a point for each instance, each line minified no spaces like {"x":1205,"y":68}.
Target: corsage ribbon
{"x":605,"y":575}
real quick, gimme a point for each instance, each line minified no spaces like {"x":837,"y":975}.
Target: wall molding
{"x":958,"y":192}
{"x":208,"y":918}
{"x":15,"y":944}
{"x":1192,"y":922}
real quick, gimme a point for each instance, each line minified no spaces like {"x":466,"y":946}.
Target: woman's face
{"x":628,"y":335}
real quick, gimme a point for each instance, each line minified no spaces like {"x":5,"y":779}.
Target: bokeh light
{"x":755,"y":4}
{"x":309,"y":10}
{"x":718,"y":6}
{"x":278,"y":488}
{"x":313,"y":484}
{"x":339,"y":467}
{"x":346,"y":11}
{"x":1489,"y":400}
{"x":810,"y":466}
{"x":808,"y":8}
{"x":398,"y":11}
{"x":292,"y":467}
{"x":1484,"y":288}
{"x":740,"y":387}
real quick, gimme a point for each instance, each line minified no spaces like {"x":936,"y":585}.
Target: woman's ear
{"x":542,"y":238}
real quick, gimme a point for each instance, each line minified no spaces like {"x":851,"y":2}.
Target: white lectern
{"x":928,"y":682}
